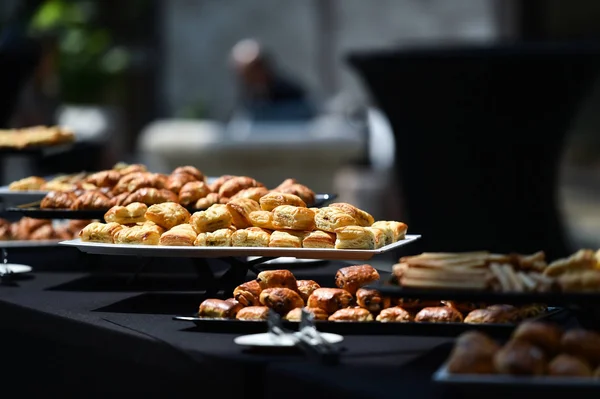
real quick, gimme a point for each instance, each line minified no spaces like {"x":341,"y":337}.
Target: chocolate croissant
{"x":281,"y":300}
{"x":351,"y":278}
{"x":248,"y":293}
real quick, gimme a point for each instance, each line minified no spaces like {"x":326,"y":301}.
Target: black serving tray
{"x":369,"y":328}
{"x":38,"y":213}
{"x":549,"y":298}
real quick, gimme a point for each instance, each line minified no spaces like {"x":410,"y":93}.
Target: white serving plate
{"x":271,"y":340}
{"x":14,"y":268}
{"x":222,"y":252}
{"x":29,"y":243}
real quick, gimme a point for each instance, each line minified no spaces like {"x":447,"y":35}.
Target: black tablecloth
{"x":85,"y":334}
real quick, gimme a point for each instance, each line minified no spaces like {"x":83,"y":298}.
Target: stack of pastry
{"x":579,"y":272}
{"x":276,"y":220}
{"x":535,"y":349}
{"x":280,"y":291}
{"x":39,"y":229}
{"x":36,"y":136}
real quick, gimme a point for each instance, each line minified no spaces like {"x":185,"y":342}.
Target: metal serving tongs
{"x":316,"y":347}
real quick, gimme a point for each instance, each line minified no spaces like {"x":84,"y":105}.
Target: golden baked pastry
{"x":138,"y":235}
{"x":272,"y":200}
{"x":440,"y":314}
{"x":330,"y":299}
{"x":240,"y":210}
{"x":253,"y":193}
{"x":218,"y":308}
{"x":175,"y":182}
{"x":306,"y":194}
{"x":319,"y":239}
{"x":132,"y":213}
{"x":248,"y":293}
{"x":277,"y":279}
{"x":296,"y":314}
{"x":146,"y":180}
{"x":125,"y":169}
{"x":27,"y":184}
{"x":122,"y":185}
{"x":584,"y":280}
{"x":232,"y":186}
{"x":289,"y":217}
{"x":190,"y":170}
{"x":395,"y":231}
{"x":306,"y":288}
{"x":91,"y":200}
{"x":75,"y":226}
{"x":216,"y":217}
{"x":209,"y":200}
{"x":250,"y":237}
{"x":253,"y":313}
{"x":485,"y":316}
{"x":45,"y":232}
{"x":546,"y":336}
{"x":372,"y":300}
{"x":351,"y":278}
{"x":24,"y":228}
{"x":584,"y":259}
{"x":179,"y":235}
{"x":216,"y":185}
{"x":584,"y":344}
{"x":191,"y":192}
{"x":100,"y":232}
{"x":168,"y":214}
{"x":465,"y":307}
{"x":329,"y":219}
{"x":395,"y":314}
{"x":569,"y":366}
{"x":281,"y":300}
{"x":119,"y":199}
{"x":473,"y":353}
{"x":105,"y":178}
{"x":379,"y":237}
{"x":362,"y":218}
{"x":58,"y":200}
{"x":262,"y":219}
{"x":286,"y":239}
{"x":520,"y":358}
{"x":151,"y":196}
{"x":354,"y":237}
{"x":217,"y":238}
{"x":359,"y":315}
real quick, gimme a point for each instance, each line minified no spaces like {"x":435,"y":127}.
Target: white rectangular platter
{"x":223,"y":252}
{"x":29,"y":243}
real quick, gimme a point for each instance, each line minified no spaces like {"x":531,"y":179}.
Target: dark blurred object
{"x":479,"y":136}
{"x":267,"y":95}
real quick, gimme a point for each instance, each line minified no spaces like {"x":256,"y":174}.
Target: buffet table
{"x":75,"y":341}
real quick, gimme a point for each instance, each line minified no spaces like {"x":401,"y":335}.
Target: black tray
{"x":549,"y":298}
{"x":38,"y":213}
{"x":368,"y":328}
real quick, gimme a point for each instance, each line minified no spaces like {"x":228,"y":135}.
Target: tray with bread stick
{"x":350,"y":308}
{"x":487,"y":276}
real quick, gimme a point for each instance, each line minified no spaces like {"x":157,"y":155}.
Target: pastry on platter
{"x":395,"y":314}
{"x":175,"y":182}
{"x":191,"y":192}
{"x":253,"y":193}
{"x":253,"y":313}
{"x":281,"y":300}
{"x":151,"y":196}
{"x":296,"y":314}
{"x":277,"y":279}
{"x":248,"y":293}
{"x":208,"y":201}
{"x":330,"y":299}
{"x":132,"y":213}
{"x":219,"y":308}
{"x":351,"y":278}
{"x":329,"y":219}
{"x":190,"y":170}
{"x":168,"y":214}
{"x":58,"y":200}
{"x":379,"y":237}
{"x":105,"y":178}
{"x":122,"y":185}
{"x":138,"y":235}
{"x":272,"y":200}
{"x":147,"y":180}
{"x":240,"y":210}
{"x":216,"y":217}
{"x":217,"y":238}
{"x":45,"y":232}
{"x":27,"y":184}
{"x":362,"y":218}
{"x":232,"y":186}
{"x":372,"y":300}
{"x":250,"y":237}
{"x":354,"y":237}
{"x":126,"y":169}
{"x":289,"y":217}
{"x":544,"y":335}
{"x":119,"y":199}
{"x":91,"y":200}
{"x":319,"y":239}
{"x":306,"y":288}
{"x":219,"y":181}
{"x":395,"y":231}
{"x":100,"y":232}
{"x":351,"y":314}
{"x":286,"y":239}
{"x":180,"y":235}
{"x":306,"y":194}
{"x":495,"y":316}
{"x":262,"y":219}
{"x":440,"y":314}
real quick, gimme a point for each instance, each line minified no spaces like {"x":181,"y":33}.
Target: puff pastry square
{"x":100,"y":232}
{"x":394,"y":230}
{"x":217,"y":238}
{"x":240,"y":210}
{"x":354,"y":237}
{"x":272,"y":200}
{"x":319,"y":239}
{"x":180,"y":235}
{"x":362,"y":218}
{"x":254,"y":193}
{"x":262,"y":219}
{"x":132,"y":213}
{"x":286,"y":239}
{"x":138,"y":235}
{"x":289,"y":217}
{"x":216,"y":217}
{"x":168,"y":214}
{"x":329,"y":219}
{"x":250,"y":237}
{"x":208,"y":201}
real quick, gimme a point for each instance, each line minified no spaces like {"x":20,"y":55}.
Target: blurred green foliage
{"x":90,"y":62}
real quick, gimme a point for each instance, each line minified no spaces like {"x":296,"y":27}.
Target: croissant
{"x":191,"y":192}
{"x":58,"y":200}
{"x":45,"y":232}
{"x":119,"y":199}
{"x":190,"y":170}
{"x":123,"y":183}
{"x":307,"y":195}
{"x":125,"y":169}
{"x":91,"y":200}
{"x":253,"y":193}
{"x":106,"y":178}
{"x":233,"y":186}
{"x":154,"y":180}
{"x":151,"y":196}
{"x":208,"y":201}
{"x":216,"y":185}
{"x":176,"y":181}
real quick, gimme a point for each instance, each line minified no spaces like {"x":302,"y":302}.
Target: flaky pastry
{"x":168,"y":214}
{"x":289,"y":217}
{"x":132,"y":213}
{"x":272,"y":200}
{"x":216,"y":217}
{"x":329,"y":219}
{"x":319,"y":239}
{"x":179,"y":235}
{"x":217,"y":238}
{"x":250,"y":237}
{"x":362,"y":218}
{"x":138,"y":235}
{"x":100,"y":232}
{"x":240,"y":210}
